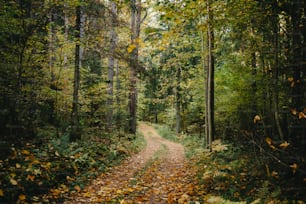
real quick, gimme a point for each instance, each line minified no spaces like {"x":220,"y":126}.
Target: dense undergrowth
{"x":46,"y":172}
{"x":234,"y":172}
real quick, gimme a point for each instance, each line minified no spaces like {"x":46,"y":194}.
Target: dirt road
{"x":158,"y":174}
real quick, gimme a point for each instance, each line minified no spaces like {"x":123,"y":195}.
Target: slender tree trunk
{"x":111,"y":64}
{"x":135,"y":28}
{"x":66,"y":33}
{"x":275,"y":77}
{"x":297,"y":101}
{"x":75,"y":127}
{"x":178,"y":101}
{"x":210,"y":78}
{"x":204,"y":67}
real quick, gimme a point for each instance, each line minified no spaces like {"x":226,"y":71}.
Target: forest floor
{"x":160,"y":173}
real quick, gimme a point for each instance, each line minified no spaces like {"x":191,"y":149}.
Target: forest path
{"x":158,"y":174}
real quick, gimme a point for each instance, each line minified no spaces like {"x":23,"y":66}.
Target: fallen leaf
{"x":22,"y":197}
{"x":256,"y":119}
{"x":77,"y":188}
{"x":284,"y":145}
{"x":268,"y":140}
{"x":13,"y":182}
{"x":290,"y":79}
{"x":30,"y":177}
{"x":55,"y":192}
{"x":274,"y":174}
{"x":25,"y":152}
{"x":87,"y":194}
{"x":57,"y":154}
{"x":301,"y":115}
{"x":18,"y":166}
{"x":1,"y":193}
{"x":293,"y":111}
{"x":294,"y":167}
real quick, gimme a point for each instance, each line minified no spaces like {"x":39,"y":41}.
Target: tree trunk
{"x":210,"y":79}
{"x":111,"y":64}
{"x":75,"y":127}
{"x":275,"y":77}
{"x":204,"y":67}
{"x":178,"y":101}
{"x":135,"y":28}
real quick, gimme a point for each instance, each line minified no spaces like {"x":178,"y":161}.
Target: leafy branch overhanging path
{"x":158,"y":174}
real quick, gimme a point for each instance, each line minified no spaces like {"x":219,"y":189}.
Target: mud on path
{"x":158,"y":174}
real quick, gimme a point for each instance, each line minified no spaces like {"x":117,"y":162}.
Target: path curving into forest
{"x":158,"y":174}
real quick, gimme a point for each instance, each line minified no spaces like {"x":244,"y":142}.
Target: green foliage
{"x":59,"y":166}
{"x":166,"y":132}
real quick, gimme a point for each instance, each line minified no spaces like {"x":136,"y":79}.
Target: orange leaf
{"x":25,"y":152}
{"x":294,"y":167}
{"x":77,"y":188}
{"x":284,"y":145}
{"x":30,"y":177}
{"x":55,"y":193}
{"x":274,"y":174}
{"x":293,"y":111}
{"x":21,"y":197}
{"x":1,"y":193}
{"x":290,"y":79}
{"x":301,"y":115}
{"x":272,"y":147}
{"x":268,"y":140}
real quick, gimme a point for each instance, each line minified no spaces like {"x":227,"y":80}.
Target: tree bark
{"x":178,"y":101}
{"x":275,"y":72}
{"x":135,"y":32}
{"x":75,"y":126}
{"x":210,"y":79}
{"x":111,"y":64}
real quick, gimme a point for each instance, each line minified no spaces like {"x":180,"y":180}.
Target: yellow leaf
{"x":25,"y":152}
{"x":284,"y":145}
{"x":268,"y":140}
{"x":18,"y":166}
{"x":13,"y":182}
{"x":1,"y":193}
{"x":131,"y":48}
{"x":21,"y":197}
{"x":256,"y":119}
{"x":87,"y":194}
{"x":272,"y":147}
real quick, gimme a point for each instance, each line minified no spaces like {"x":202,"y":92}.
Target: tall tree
{"x":111,"y":63}
{"x":210,"y":77}
{"x":75,"y":126}
{"x":135,"y":32}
